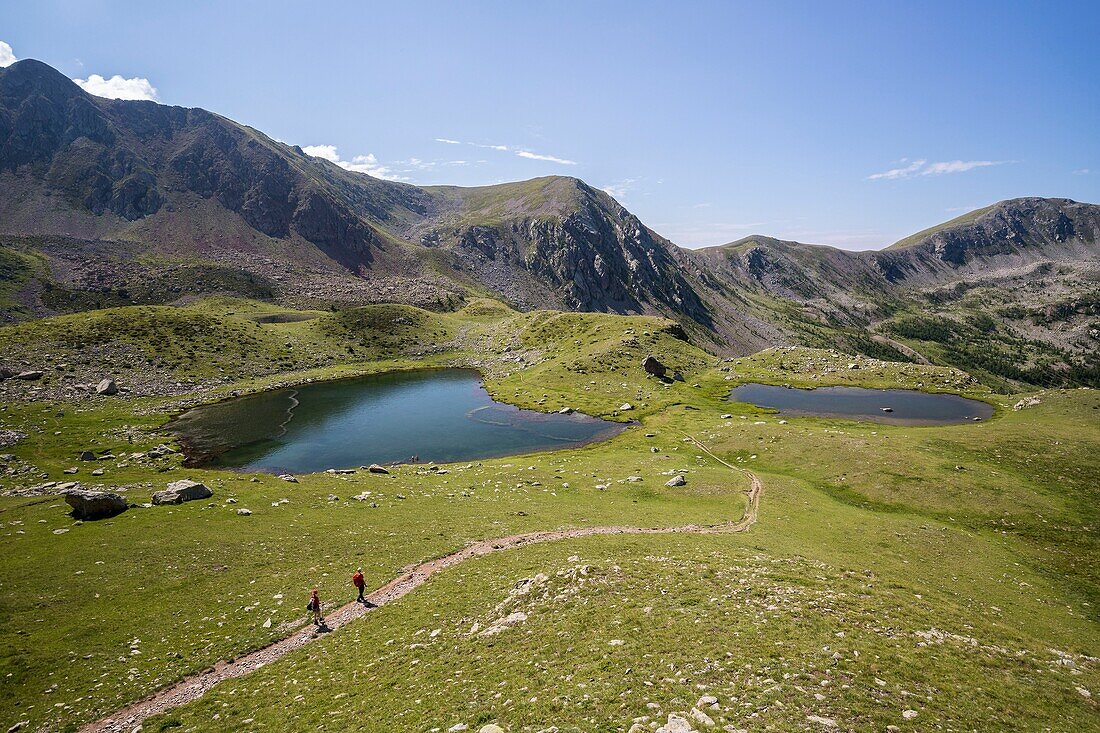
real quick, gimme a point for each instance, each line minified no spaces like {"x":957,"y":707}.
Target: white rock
{"x":909,"y":714}
{"x":825,"y":722}
{"x":676,"y":480}
{"x":626,"y":407}
{"x":244,"y":512}
{"x":677,"y":723}
{"x":702,"y":718}
{"x":491,"y":728}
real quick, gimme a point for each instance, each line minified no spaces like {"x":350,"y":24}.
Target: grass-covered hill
{"x":907,"y":578}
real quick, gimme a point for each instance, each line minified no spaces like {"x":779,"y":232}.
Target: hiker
{"x":314,"y":605}
{"x":358,"y":581}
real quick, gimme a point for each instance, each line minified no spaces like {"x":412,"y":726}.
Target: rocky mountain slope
{"x":108,"y":202}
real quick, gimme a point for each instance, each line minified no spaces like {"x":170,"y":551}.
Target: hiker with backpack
{"x":314,"y":605}
{"x":360,"y":584}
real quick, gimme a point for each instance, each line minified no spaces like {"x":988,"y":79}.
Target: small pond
{"x":894,"y":406}
{"x":427,"y":415}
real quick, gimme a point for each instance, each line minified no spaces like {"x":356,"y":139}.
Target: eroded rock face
{"x":88,"y":504}
{"x":181,"y":491}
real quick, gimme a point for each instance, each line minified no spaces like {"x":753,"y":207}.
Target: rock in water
{"x":107,"y":387}
{"x":94,"y":504}
{"x":654,"y":367}
{"x":181,"y":491}
{"x":676,"y":481}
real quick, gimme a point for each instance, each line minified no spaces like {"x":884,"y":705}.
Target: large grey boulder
{"x":181,"y":491}
{"x":88,"y":504}
{"x":107,"y":387}
{"x":30,"y":375}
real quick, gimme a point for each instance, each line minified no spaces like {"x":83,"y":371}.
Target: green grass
{"x":950,"y":592}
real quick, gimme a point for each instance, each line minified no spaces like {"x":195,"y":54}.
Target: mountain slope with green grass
{"x":109,"y":203}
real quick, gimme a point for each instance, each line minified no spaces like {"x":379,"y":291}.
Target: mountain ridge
{"x":109,"y":202}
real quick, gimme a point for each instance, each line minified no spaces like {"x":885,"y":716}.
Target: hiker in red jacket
{"x":361,"y":584}
{"x":314,"y":605}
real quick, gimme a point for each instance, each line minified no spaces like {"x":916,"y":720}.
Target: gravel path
{"x":193,"y":687}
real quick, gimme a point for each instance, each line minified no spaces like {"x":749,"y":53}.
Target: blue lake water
{"x":427,"y":415}
{"x":906,"y":406}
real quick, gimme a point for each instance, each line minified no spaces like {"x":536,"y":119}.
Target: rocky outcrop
{"x":181,"y":491}
{"x":107,"y":387}
{"x":89,"y":504}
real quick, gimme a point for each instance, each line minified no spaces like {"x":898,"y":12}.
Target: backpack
{"x":309,"y":606}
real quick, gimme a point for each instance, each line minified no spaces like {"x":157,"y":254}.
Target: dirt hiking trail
{"x":193,"y":687}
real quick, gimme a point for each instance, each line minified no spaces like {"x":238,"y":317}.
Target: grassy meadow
{"x":926,"y":578}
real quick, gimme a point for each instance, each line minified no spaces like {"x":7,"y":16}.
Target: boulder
{"x":29,"y":375}
{"x":491,"y":728}
{"x":676,"y":480}
{"x":87,"y":455}
{"x":653,"y":366}
{"x":181,"y":491}
{"x":244,"y":512}
{"x":625,"y":407}
{"x":375,"y":468}
{"x":94,"y":504}
{"x":107,"y":387}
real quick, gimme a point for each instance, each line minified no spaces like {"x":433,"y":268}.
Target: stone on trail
{"x":676,"y":480}
{"x":375,"y":468}
{"x":94,"y":504}
{"x":107,"y":387}
{"x":181,"y":491}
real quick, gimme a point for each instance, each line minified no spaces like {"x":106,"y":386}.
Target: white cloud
{"x":367,"y":164}
{"x":957,"y":166}
{"x":618,"y":190}
{"x":528,"y":154}
{"x":118,"y":88}
{"x":924,"y":168}
{"x":1081,"y":172}
{"x":895,"y":173}
{"x":552,"y":159}
{"x":7,"y":56}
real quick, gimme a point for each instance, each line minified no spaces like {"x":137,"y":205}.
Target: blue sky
{"x":848,"y":123}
